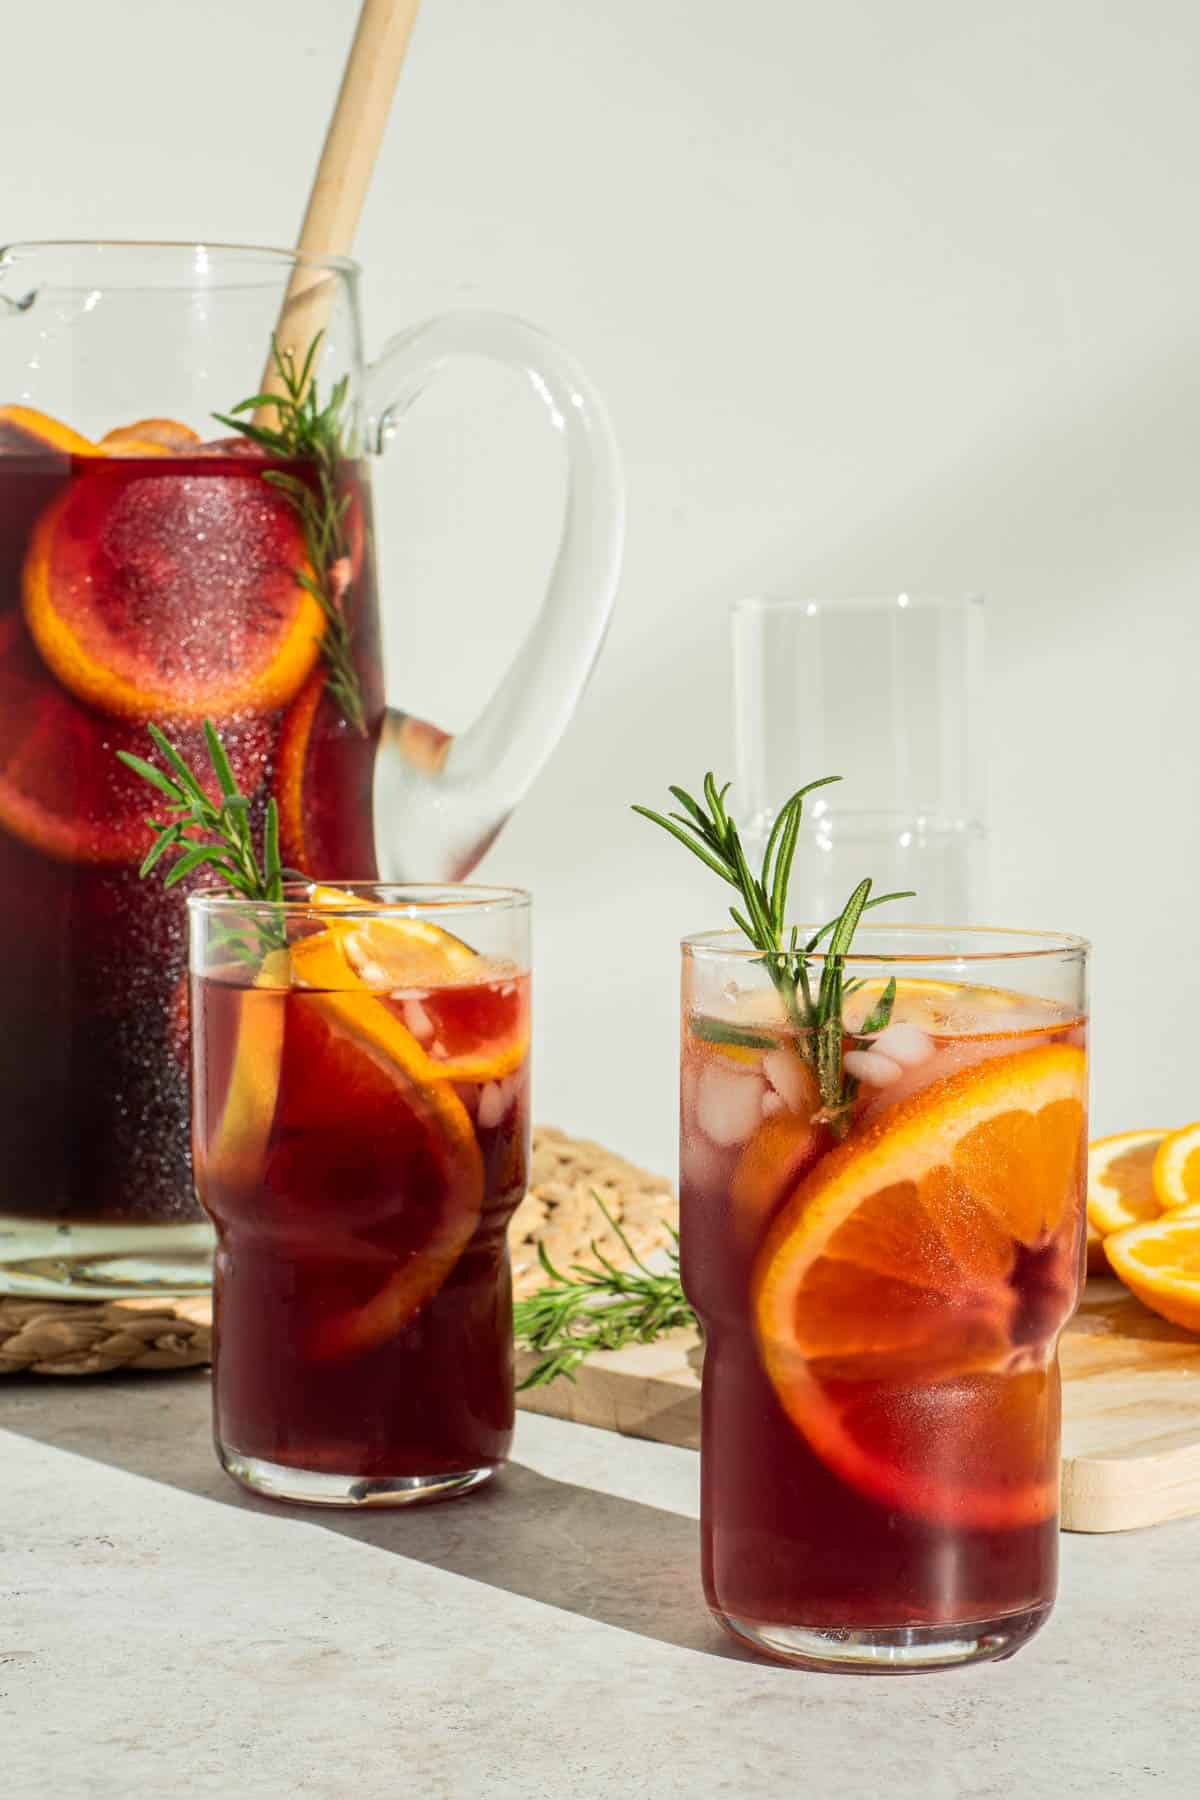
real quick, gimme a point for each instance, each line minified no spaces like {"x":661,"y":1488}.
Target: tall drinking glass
{"x":361,"y":1137}
{"x":886,"y":692}
{"x":882,"y":1283}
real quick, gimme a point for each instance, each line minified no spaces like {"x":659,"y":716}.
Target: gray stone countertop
{"x":161,"y":1632}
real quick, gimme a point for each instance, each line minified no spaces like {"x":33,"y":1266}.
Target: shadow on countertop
{"x":616,"y":1561}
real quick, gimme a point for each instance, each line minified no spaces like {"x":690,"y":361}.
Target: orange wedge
{"x":1160,"y":1263}
{"x":909,"y":1296}
{"x":1176,"y":1169}
{"x":1120,"y":1189}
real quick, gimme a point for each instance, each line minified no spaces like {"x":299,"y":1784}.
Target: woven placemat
{"x":72,"y":1337}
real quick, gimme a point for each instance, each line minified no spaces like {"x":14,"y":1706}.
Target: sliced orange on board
{"x":172,"y":597}
{"x":1176,"y":1169}
{"x":1120,"y":1189}
{"x":909,"y":1294}
{"x":1160,"y":1263}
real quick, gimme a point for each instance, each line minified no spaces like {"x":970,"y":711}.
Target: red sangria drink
{"x":150,"y":576}
{"x":361,"y":1138}
{"x":882,"y":1282}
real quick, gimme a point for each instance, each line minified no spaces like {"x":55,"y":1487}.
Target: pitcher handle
{"x":439,"y":801}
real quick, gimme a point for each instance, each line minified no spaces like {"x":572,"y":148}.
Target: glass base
{"x":308,"y":1487}
{"x":874,"y":1650}
{"x":42,"y":1259}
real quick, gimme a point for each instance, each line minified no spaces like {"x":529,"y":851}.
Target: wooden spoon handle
{"x":339,"y":187}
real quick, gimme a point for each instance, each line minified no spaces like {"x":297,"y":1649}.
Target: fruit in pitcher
{"x":321,"y":760}
{"x":62,"y":789}
{"x":165,"y":434}
{"x":25,"y":429}
{"x":172,"y":597}
{"x":900,"y":1283}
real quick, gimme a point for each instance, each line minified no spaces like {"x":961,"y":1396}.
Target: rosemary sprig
{"x":316,"y":434}
{"x":215,"y":835}
{"x":597,"y":1309}
{"x":813,"y":994}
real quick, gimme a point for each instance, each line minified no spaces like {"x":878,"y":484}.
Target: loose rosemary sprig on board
{"x":584,"y":1310}
{"x":813,"y":993}
{"x":305,"y":429}
{"x":214,"y":835}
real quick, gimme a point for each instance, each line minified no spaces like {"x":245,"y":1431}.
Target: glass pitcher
{"x":166,"y":556}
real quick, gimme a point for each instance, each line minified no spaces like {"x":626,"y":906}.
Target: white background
{"x":881,"y":295}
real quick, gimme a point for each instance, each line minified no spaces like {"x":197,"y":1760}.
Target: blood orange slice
{"x":61,"y":787}
{"x":154,"y":590}
{"x":364,"y":1120}
{"x":324,"y":777}
{"x":908,"y":1297}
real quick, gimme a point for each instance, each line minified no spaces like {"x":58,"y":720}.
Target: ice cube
{"x":905,"y":1043}
{"x":728,"y":1104}
{"x":872,"y":1069}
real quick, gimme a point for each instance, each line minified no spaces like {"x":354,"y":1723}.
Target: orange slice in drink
{"x":238,"y":1146}
{"x":908,"y":1296}
{"x":172,"y":595}
{"x":1160,"y":1263}
{"x":372,"y":1121}
{"x":470,"y":1024}
{"x":350,"y":1136}
{"x":1120,"y":1189}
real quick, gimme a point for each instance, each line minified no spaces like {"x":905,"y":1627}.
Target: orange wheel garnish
{"x":909,"y":1296}
{"x":62,"y":789}
{"x":172,"y":596}
{"x":163,"y":434}
{"x":24,"y":428}
{"x":423,"y":973}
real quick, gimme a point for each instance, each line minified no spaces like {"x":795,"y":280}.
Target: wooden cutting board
{"x":1131,"y":1408}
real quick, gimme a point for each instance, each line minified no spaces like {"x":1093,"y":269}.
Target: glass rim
{"x":1022,"y":944}
{"x":341,"y":265}
{"x":370,"y":900}
{"x":904,"y":599}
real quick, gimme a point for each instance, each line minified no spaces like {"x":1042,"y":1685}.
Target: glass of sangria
{"x":361,"y":1138}
{"x":882,"y":1283}
{"x":186,"y":532}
